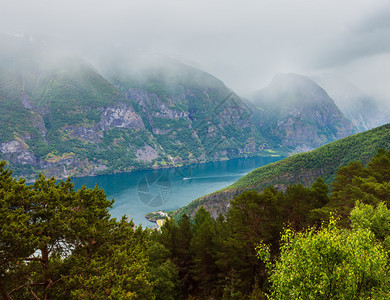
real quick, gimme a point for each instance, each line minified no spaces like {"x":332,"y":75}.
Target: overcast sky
{"x":244,"y":43}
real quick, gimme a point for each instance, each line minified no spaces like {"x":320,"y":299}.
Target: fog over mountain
{"x":364,"y":111}
{"x":243,"y":43}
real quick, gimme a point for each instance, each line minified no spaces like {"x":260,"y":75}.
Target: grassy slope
{"x":306,"y":167}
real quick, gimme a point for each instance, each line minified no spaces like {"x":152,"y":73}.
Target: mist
{"x":243,"y":43}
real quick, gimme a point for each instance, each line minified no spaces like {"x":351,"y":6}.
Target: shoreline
{"x":157,"y":217}
{"x":267,"y":154}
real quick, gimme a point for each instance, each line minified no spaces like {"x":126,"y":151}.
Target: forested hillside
{"x":64,"y":118}
{"x":299,"y":168}
{"x":59,"y":243}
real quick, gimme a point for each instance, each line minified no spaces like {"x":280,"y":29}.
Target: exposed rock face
{"x":40,"y":124}
{"x":26,"y":101}
{"x":81,"y":132}
{"x":151,"y":102}
{"x":196,"y":119}
{"x":91,"y":134}
{"x":146,"y":153}
{"x":215,"y":203}
{"x":364,"y":111}
{"x":17,"y":152}
{"x":142,"y":97}
{"x":299,"y":114}
{"x":159,"y":131}
{"x":121,"y":116}
{"x":67,"y":119}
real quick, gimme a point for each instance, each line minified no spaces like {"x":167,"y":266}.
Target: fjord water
{"x":142,"y":192}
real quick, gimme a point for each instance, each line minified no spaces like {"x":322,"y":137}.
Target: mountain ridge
{"x":73,"y":121}
{"x":66,"y":118}
{"x":299,"y":114}
{"x":364,"y":111}
{"x":299,"y":168}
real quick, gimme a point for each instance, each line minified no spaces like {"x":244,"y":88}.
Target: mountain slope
{"x":361,"y":109}
{"x":299,"y":168}
{"x":64,"y":118}
{"x":192,"y":114}
{"x":298,"y":114}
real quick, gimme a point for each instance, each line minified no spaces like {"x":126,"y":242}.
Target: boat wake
{"x":210,"y":177}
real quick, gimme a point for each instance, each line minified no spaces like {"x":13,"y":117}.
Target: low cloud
{"x":244,"y":43}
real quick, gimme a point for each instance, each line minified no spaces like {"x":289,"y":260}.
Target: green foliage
{"x":115,"y":267}
{"x":375,"y":219}
{"x":323,"y":161}
{"x":204,"y":269}
{"x":219,"y":257}
{"x":177,"y":240}
{"x":305,"y":167}
{"x":232,"y":270}
{"x":164,"y":274}
{"x":369,"y":185}
{"x":15,"y":120}
{"x":324,"y":265}
{"x":60,"y":243}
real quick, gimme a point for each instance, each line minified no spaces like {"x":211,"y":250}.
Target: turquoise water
{"x":139,"y":193}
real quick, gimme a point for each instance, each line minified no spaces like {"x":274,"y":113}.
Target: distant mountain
{"x":302,"y":168}
{"x":62,"y":117}
{"x":364,"y":112}
{"x":192,"y":114}
{"x":296,"y":113}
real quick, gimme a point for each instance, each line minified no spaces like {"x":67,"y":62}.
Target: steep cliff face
{"x":192,"y":114}
{"x":63,"y":121}
{"x":363,"y":111}
{"x":298,"y":114}
{"x":17,"y":151}
{"x":61,"y":117}
{"x":64,"y":118}
{"x":120,"y":116}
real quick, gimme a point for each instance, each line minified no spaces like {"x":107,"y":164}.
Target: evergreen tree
{"x":176,"y":237}
{"x":354,"y":182}
{"x":252,"y":217}
{"x":203,"y":247}
{"x":56,"y":242}
{"x":164,"y":274}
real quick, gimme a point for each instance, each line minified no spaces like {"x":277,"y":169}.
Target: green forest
{"x":304,"y":167}
{"x":317,"y":242}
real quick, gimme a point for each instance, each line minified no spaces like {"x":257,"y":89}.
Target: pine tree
{"x":56,"y":242}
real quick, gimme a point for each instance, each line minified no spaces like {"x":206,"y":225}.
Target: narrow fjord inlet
{"x":187,"y":183}
{"x":194,"y":150}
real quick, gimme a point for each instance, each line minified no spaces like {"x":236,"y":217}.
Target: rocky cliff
{"x":298,"y":114}
{"x":62,"y":117}
{"x":364,"y":111}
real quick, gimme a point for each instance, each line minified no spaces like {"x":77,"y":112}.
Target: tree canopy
{"x":314,"y":242}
